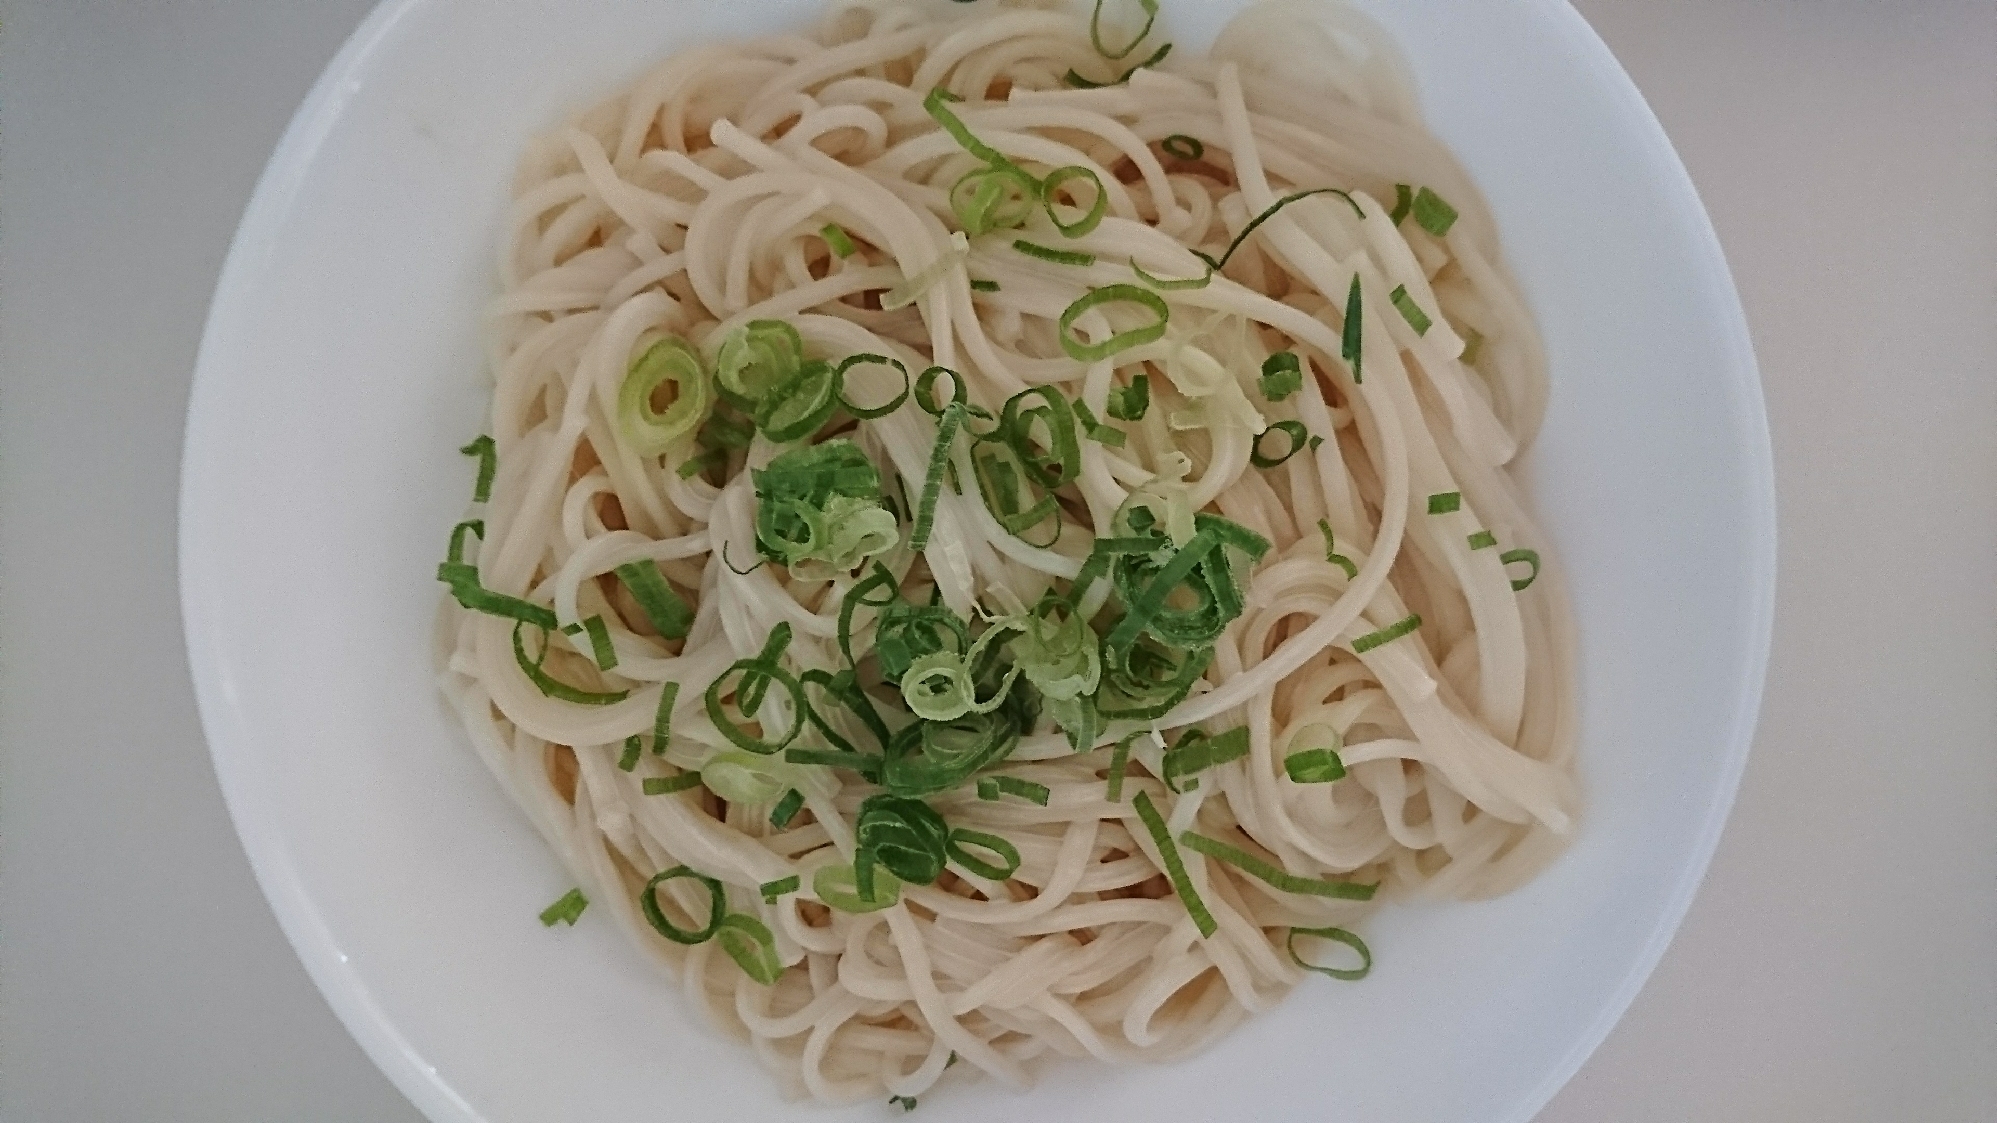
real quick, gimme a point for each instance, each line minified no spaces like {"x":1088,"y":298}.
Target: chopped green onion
{"x":1175,"y":867}
{"x":648,"y":902}
{"x":1331,"y":553}
{"x":741,"y":777}
{"x":549,"y":684}
{"x":1096,"y":430}
{"x":1314,"y":443}
{"x":662,"y":722}
{"x":996,"y":197}
{"x":565,"y":911}
{"x":906,"y":1103}
{"x":1282,"y":375}
{"x":1473,"y":345}
{"x":1314,"y":766}
{"x":1183,"y":147}
{"x":786,"y":809}
{"x":1410,"y":311}
{"x":1150,"y":8}
{"x":748,"y":942}
{"x":1196,"y":752}
{"x":725,"y":430}
{"x":932,"y":483}
{"x":488,"y":466}
{"x":755,"y":674}
{"x":1337,"y":935}
{"x":1077,"y":81}
{"x":754,"y":359}
{"x":463,"y":580}
{"x":694,"y":465}
{"x":984,"y":286}
{"x":1445,"y":502}
{"x":771,"y":890}
{"x":1063,"y":465}
{"x":905,"y":835}
{"x":1058,"y":257}
{"x":962,"y":840}
{"x":1350,"y":344}
{"x":795,"y":408}
{"x":1432,"y":213}
{"x":1013,"y":785}
{"x":673,"y":360}
{"x":599,"y":641}
{"x":1531,"y":558}
{"x":1121,"y":341}
{"x":1292,"y":429}
{"x":837,"y":886}
{"x":1483,"y":540}
{"x":1119,"y":762}
{"x":669,"y":613}
{"x":474,"y":527}
{"x":925,"y":390}
{"x":1404,"y":201}
{"x":1273,"y":874}
{"x":668,"y":785}
{"x":1130,"y":403}
{"x":838,"y":240}
{"x":1221,"y":261}
{"x":634,"y":748}
{"x":1388,"y":634}
{"x":1199,"y":282}
{"x":864,"y":413}
{"x":1092,"y":217}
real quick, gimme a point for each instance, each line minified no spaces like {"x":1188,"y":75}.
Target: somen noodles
{"x":993,"y":536}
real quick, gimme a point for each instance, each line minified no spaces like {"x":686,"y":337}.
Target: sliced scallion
{"x":1023,"y":788}
{"x":771,"y":890}
{"x":1091,"y":217}
{"x":1130,"y":403}
{"x":668,"y":785}
{"x":1336,"y":935}
{"x":463,"y":580}
{"x":669,"y":612}
{"x":1331,"y":553}
{"x":838,"y":240}
{"x":1120,"y":341}
{"x":960,"y":846}
{"x":1531,"y":558}
{"x":1388,"y":634}
{"x":1047,"y":253}
{"x":1182,"y":147}
{"x":984,"y":286}
{"x":488,"y":465}
{"x":648,"y":903}
{"x":1294,"y":430}
{"x":552,"y":686}
{"x":1404,"y":201}
{"x":1175,"y":866}
{"x":1314,"y":766}
{"x":1409,"y":310}
{"x":1432,"y":213}
{"x":652,"y":431}
{"x":1350,"y":343}
{"x":1445,"y":502}
{"x":473,"y":527}
{"x":634,"y":748}
{"x":786,"y":809}
{"x":1273,"y":874}
{"x":1282,"y":375}
{"x":565,"y":911}
{"x":1220,"y":262}
{"x":662,"y":721}
{"x":748,"y":942}
{"x":1483,"y":540}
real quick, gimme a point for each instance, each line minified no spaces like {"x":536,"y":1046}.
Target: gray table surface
{"x":1840,"y":964}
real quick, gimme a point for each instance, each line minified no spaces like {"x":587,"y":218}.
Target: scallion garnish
{"x":959,"y":848}
{"x":1183,"y":147}
{"x":1172,"y":285}
{"x":565,"y":911}
{"x":1096,"y":430}
{"x":925,"y":390}
{"x":984,"y":286}
{"x":755,"y":359}
{"x":1410,"y":311}
{"x":463,"y":580}
{"x":838,"y":240}
{"x":906,"y":1103}
{"x":1404,"y":201}
{"x":1337,"y":935}
{"x":869,"y":413}
{"x":771,"y":890}
{"x":757,"y":674}
{"x":1294,"y":430}
{"x":1015,"y":785}
{"x":1129,"y":403}
{"x":786,"y":809}
{"x":1432,"y":213}
{"x":1388,"y":634}
{"x":1092,"y":217}
{"x":488,"y":466}
{"x":552,"y":686}
{"x":1331,"y":553}
{"x":905,"y":835}
{"x":1483,"y":540}
{"x":694,"y":465}
{"x":837,"y":886}
{"x":668,"y":785}
{"x":1531,"y":558}
{"x":1473,"y":345}
{"x":1350,"y":343}
{"x":1445,"y":502}
{"x":1119,"y":762}
{"x":1273,"y":874}
{"x":1219,"y":263}
{"x":1314,"y":766}
{"x":1150,"y":8}
{"x":599,"y":641}
{"x":634,"y":748}
{"x":1076,"y":80}
{"x":749,"y":943}
{"x":1314,"y":443}
{"x":1046,"y":253}
{"x":669,"y":613}
{"x":1175,"y":866}
{"x":932,"y":482}
{"x":474,"y":527}
{"x":669,"y":360}
{"x":1120,"y":341}
{"x":1282,"y":375}
{"x":648,"y":902}
{"x":662,"y":722}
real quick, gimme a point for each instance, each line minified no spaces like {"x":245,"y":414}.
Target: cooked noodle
{"x":695,"y":200}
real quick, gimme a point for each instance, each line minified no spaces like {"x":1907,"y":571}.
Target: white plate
{"x":341,"y":369}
